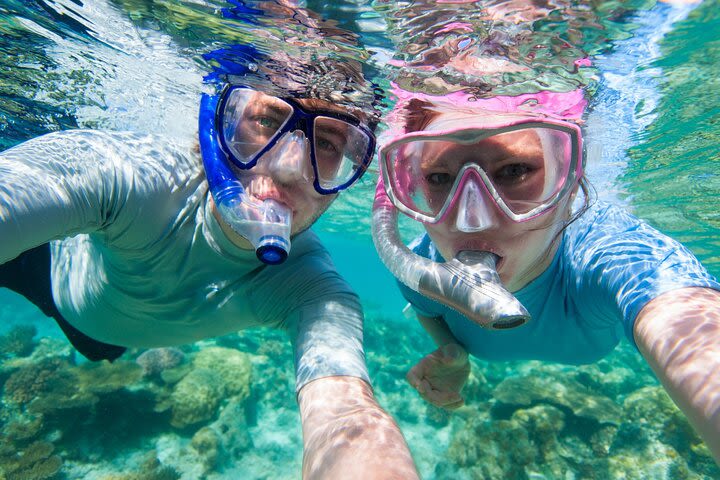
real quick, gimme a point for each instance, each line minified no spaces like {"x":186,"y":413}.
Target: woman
{"x":493,"y":182}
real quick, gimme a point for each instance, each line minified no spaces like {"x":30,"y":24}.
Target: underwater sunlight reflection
{"x":225,"y":408}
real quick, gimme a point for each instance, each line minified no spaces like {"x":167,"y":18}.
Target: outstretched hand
{"x":440,"y":376}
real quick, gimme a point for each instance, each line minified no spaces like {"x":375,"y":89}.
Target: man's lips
{"x":275,"y":196}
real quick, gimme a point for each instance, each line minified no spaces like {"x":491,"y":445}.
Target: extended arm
{"x":678,"y":333}
{"x":347,"y":435}
{"x":82,"y":181}
{"x":50,"y":187}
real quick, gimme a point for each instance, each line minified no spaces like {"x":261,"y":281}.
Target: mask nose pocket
{"x":474,"y":208}
{"x":288,"y":159}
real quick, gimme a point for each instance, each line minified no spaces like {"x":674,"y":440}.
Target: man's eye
{"x":438,"y":179}
{"x":326,"y":145}
{"x":268,"y":122}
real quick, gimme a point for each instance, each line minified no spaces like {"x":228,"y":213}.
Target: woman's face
{"x":515,"y":165}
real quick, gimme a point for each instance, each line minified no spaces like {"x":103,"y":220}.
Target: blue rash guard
{"x":608,"y":266}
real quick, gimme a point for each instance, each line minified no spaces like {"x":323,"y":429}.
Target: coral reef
{"x":206,"y":443}
{"x":34,"y":462}
{"x":565,"y":423}
{"x":18,"y":342}
{"x":233,"y":367}
{"x":216,"y":373}
{"x":208,"y":416}
{"x":157,"y":360}
{"x":33,"y":381}
{"x":195,"y":398}
{"x":150,"y":469}
{"x":560,"y":391}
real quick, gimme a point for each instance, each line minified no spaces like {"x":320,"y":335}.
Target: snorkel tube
{"x":469,"y":283}
{"x":265,"y":224}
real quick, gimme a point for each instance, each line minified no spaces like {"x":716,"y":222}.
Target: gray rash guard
{"x":138,"y":259}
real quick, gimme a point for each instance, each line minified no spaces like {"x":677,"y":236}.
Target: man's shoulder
{"x":97,"y":138}
{"x":126,"y":141}
{"x":307,"y":250}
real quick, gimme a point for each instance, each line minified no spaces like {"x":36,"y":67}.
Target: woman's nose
{"x":289,"y":160}
{"x":475,"y":209}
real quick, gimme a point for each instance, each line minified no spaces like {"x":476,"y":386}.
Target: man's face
{"x":285,"y":172}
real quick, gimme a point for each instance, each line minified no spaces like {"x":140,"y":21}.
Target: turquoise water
{"x":655,"y":150}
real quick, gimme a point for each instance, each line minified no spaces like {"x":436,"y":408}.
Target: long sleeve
{"x":125,"y":186}
{"x":55,"y":186}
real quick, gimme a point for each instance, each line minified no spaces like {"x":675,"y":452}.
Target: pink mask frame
{"x":471,"y":135}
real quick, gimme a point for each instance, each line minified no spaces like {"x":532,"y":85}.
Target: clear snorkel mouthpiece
{"x":468,"y":283}
{"x":266,"y":224}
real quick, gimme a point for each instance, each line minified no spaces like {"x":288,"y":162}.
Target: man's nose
{"x":288,"y":161}
{"x":475,"y":209}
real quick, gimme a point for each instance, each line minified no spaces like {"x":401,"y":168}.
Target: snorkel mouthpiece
{"x":266,"y":224}
{"x":468,"y":283}
{"x":473,"y":288}
{"x":273,"y":232}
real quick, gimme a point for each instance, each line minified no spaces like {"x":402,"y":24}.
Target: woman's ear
{"x":571,"y":199}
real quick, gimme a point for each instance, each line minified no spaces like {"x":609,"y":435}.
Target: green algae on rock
{"x":559,"y":391}
{"x":34,"y":462}
{"x":216,"y":373}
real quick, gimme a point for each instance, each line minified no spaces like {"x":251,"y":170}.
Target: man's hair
{"x":305,"y":57}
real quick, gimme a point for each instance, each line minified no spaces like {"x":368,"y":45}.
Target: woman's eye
{"x":438,"y":179}
{"x":515,"y":172}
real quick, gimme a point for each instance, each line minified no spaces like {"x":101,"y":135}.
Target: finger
{"x":454,"y":405}
{"x":424,"y":388}
{"x":443,"y":398}
{"x":420,"y":385}
{"x":414,"y":376}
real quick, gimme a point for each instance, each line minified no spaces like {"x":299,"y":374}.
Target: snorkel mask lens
{"x":525,"y":167}
{"x":252,"y":123}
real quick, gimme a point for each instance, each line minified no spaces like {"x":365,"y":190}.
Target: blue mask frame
{"x":303,"y":120}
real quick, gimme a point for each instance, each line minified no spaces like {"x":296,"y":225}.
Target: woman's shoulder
{"x":607,"y":231}
{"x":604,"y":223}
{"x":422,"y":245}
{"x":607,"y":215}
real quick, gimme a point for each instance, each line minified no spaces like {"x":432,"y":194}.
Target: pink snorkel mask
{"x":517,"y":155}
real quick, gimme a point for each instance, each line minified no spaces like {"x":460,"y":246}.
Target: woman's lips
{"x":481,"y":247}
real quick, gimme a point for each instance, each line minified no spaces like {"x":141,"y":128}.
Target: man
{"x":134,"y":240}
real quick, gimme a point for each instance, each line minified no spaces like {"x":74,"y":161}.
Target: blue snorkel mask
{"x":241,"y":126}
